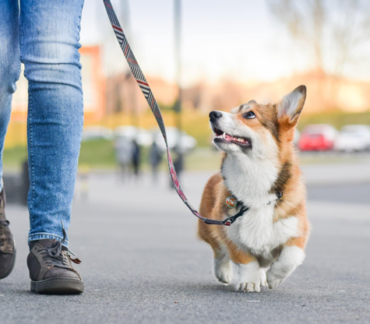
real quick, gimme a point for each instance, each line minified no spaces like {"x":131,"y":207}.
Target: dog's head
{"x":255,"y":129}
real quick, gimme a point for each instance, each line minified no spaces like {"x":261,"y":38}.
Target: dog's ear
{"x":290,"y":108}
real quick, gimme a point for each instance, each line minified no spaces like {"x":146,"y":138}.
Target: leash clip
{"x":232,"y":219}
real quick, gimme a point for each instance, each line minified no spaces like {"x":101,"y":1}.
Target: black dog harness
{"x":243,"y":209}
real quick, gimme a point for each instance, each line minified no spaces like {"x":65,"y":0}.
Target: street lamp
{"x":179,"y":162}
{"x":125,"y":14}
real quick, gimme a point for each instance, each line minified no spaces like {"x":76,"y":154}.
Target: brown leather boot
{"x":51,"y":271}
{"x":7,"y":244}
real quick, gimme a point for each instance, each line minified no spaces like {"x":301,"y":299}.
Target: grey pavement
{"x":142,"y":261}
{"x":336,"y":174}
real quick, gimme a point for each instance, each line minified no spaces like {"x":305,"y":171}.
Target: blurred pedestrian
{"x":135,"y":157}
{"x":178,"y":162}
{"x":44,"y":36}
{"x":155,"y":159}
{"x":123,"y":150}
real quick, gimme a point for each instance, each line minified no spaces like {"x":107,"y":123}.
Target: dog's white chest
{"x":250,"y":182}
{"x":256,"y":231}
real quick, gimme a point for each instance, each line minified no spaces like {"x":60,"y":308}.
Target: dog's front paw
{"x":248,"y":287}
{"x":249,"y":277}
{"x":223,"y":271}
{"x":273,"y":280}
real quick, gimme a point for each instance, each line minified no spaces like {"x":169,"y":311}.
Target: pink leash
{"x":147,"y":92}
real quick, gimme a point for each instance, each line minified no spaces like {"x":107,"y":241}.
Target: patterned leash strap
{"x":147,"y":92}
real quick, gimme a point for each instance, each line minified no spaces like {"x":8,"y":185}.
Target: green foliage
{"x":203,"y":159}
{"x":101,"y":154}
{"x":14,"y":157}
{"x":336,"y":119}
{"x":97,"y":153}
{"x":199,"y":128}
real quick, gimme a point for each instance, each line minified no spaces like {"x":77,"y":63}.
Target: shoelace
{"x":3,"y":222}
{"x":54,"y":255}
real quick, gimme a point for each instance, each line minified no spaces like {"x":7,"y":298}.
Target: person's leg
{"x":49,"y":42}
{"x":9,"y":73}
{"x":10,"y":66}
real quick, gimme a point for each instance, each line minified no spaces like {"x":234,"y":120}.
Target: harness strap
{"x":232,"y":219}
{"x":147,"y":92}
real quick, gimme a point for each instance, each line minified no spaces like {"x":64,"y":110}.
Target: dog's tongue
{"x":228,"y":137}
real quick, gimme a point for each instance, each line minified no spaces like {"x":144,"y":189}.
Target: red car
{"x":318,"y":137}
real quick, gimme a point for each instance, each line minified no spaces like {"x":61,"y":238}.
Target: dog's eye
{"x":249,"y":115}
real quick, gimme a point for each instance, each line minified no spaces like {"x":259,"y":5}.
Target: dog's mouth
{"x":221,"y":136}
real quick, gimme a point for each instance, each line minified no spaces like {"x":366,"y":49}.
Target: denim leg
{"x":10,"y":66}
{"x":49,"y":44}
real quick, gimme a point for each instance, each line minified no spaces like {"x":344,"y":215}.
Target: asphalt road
{"x":142,"y":262}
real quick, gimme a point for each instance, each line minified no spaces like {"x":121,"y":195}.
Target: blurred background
{"x":209,"y":55}
{"x":135,"y":236}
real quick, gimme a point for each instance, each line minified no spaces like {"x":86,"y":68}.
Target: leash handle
{"x":147,"y":92}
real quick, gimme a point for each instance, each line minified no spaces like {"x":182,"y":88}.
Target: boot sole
{"x":58,"y":286}
{"x":11,"y":265}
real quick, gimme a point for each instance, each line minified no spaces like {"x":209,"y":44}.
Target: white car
{"x":90,"y":133}
{"x":353,"y":138}
{"x":183,"y":144}
{"x":142,"y":136}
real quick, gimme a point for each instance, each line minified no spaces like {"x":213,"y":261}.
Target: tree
{"x":333,"y":30}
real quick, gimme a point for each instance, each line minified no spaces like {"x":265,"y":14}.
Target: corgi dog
{"x":260,"y":171}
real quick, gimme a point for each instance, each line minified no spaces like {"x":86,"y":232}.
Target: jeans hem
{"x":43,"y":236}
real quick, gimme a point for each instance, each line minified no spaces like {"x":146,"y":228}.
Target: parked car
{"x":187,"y":142}
{"x":353,"y":138}
{"x":317,"y":137}
{"x":142,"y":136}
{"x":96,"y":132}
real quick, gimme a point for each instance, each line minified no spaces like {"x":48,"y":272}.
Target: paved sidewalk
{"x":142,"y":263}
{"x":334,"y":174}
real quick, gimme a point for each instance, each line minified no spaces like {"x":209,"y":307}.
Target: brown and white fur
{"x":267,"y":243}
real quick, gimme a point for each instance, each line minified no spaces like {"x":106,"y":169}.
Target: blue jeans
{"x":44,"y":36}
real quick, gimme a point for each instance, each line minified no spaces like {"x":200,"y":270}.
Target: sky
{"x":220,"y":39}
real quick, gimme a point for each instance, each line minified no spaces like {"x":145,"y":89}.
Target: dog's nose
{"x":213,"y":115}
